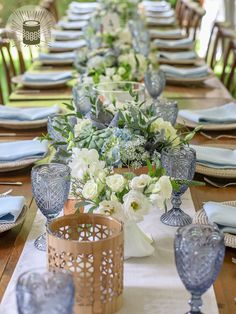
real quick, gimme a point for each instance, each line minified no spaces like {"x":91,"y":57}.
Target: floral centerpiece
{"x":124,"y":134}
{"x":123,"y":196}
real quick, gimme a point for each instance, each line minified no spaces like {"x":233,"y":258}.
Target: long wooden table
{"x":12,"y":242}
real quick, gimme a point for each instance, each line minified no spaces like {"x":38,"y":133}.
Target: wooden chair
{"x":229,"y":66}
{"x":12,"y":58}
{"x":220,"y":37}
{"x":51,"y":6}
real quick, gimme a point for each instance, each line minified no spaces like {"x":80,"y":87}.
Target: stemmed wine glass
{"x":179,"y":163}
{"x":50,"y":186}
{"x":155,"y":82}
{"x":140,"y":37}
{"x":199,"y":254}
{"x":168,"y":109}
{"x":39,"y":292}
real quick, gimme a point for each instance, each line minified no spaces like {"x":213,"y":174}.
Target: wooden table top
{"x":12,"y":241}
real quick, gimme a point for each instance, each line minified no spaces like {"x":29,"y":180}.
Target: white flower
{"x":135,"y":206}
{"x":161,"y":191}
{"x":81,"y":124}
{"x":116,"y":78}
{"x":85,"y":162}
{"x":88,"y":79}
{"x":90,"y":190}
{"x":110,"y":71}
{"x":111,"y":208}
{"x":170,"y":132}
{"x":166,"y":187}
{"x":140,"y":182}
{"x":116,"y":182}
{"x":121,"y":70}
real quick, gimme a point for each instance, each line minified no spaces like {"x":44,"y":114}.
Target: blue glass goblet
{"x":155,"y":82}
{"x":41,"y":292}
{"x":199,"y":254}
{"x":50,"y":186}
{"x":179,"y":163}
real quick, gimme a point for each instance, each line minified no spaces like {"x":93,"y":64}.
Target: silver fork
{"x":217,"y":185}
{"x":217,"y":137}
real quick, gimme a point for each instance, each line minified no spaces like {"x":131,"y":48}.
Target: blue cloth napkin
{"x":182,"y":55}
{"x":78,"y":17}
{"x":67,"y":35}
{"x":223,"y":215}
{"x":20,"y":150}
{"x":164,"y":14}
{"x":155,"y":6}
{"x":75,"y":44}
{"x":215,"y":157}
{"x":47,"y":76}
{"x":161,"y":21}
{"x":223,"y":114}
{"x":193,"y":72}
{"x":72,"y":25}
{"x":57,"y":56}
{"x":10,"y":208}
{"x":175,"y":43}
{"x":27,"y":114}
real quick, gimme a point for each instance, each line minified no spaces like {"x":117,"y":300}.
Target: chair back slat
{"x":228,"y":78}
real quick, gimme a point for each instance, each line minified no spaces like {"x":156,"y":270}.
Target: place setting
{"x":176,"y":44}
{"x":178,"y":58}
{"x":186,"y":75}
{"x":220,"y":118}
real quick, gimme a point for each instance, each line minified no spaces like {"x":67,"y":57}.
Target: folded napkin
{"x":173,"y":43}
{"x":57,"y":56}
{"x":182,"y":55}
{"x":193,"y":72}
{"x":215,"y":157}
{"x":159,"y":6}
{"x":72,"y":25}
{"x":161,"y":21}
{"x":68,"y":45}
{"x":78,"y":17}
{"x":223,"y":114}
{"x":167,"y":33}
{"x":67,"y":35}
{"x":164,"y":14}
{"x":10,"y":208}
{"x":20,"y":150}
{"x":47,"y":77}
{"x":223,"y":215}
{"x":75,"y":4}
{"x":27,"y":114}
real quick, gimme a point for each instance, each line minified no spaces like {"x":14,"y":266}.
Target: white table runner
{"x":152,"y":285}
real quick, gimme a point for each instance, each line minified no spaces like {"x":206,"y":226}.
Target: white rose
{"x":157,"y":200}
{"x":116,"y":182}
{"x":81,"y":124}
{"x":140,"y":182}
{"x":111,"y":208}
{"x":135,"y":206}
{"x":90,"y":190}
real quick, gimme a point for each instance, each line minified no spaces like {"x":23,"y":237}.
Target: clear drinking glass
{"x":155,"y":82}
{"x":42,"y":292}
{"x":119,"y":92}
{"x":179,"y":163}
{"x":168,"y":109}
{"x":199,"y":254}
{"x":50,"y":186}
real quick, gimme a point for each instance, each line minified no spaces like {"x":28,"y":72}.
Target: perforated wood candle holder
{"x":91,"y":247}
